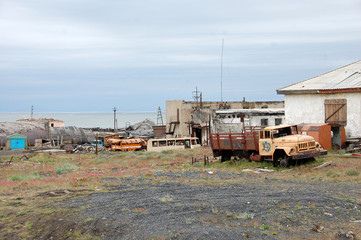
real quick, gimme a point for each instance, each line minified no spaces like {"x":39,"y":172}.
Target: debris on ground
{"x":354,"y":149}
{"x":356,"y":221}
{"x":86,"y":148}
{"x":258,"y":170}
{"x":24,"y":157}
{"x":264,"y":170}
{"x":8,"y":162}
{"x":348,"y":235}
{"x":142,"y":129}
{"x":323,"y":165}
{"x":51,"y":150}
{"x":318,"y":228}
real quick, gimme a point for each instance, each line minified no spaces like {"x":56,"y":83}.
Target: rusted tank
{"x":71,"y":135}
{"x":134,"y":144}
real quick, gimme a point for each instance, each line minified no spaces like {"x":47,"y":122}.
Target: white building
{"x":333,"y":97}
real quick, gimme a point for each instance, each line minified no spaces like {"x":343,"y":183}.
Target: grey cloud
{"x":111,"y":47}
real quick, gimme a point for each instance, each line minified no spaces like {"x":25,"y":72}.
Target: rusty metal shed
{"x":325,"y":134}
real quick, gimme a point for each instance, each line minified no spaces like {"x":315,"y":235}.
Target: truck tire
{"x":278,"y":156}
{"x":285,"y":162}
{"x":226,"y":156}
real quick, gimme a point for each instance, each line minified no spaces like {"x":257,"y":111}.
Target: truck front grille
{"x":306,"y":146}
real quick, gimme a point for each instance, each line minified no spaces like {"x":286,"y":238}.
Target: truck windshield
{"x":282,"y":132}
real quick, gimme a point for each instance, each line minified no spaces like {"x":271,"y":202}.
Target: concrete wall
{"x":185,"y":110}
{"x":310,"y":108}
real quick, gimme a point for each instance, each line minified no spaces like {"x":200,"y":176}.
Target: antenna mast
{"x":222,"y":72}
{"x":197,"y":95}
{"x":159,"y":118}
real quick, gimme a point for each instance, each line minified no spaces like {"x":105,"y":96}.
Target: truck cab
{"x":280,"y":145}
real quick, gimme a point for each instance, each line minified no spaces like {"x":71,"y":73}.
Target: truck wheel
{"x":225,"y":156}
{"x":284,"y":162}
{"x":248,"y":157}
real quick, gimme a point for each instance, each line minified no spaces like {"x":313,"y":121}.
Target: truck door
{"x":265,"y":144}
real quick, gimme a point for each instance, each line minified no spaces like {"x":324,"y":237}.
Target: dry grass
{"x":45,"y":172}
{"x":22,"y":181}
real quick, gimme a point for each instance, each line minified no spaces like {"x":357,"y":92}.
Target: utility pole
{"x":32,"y":112}
{"x":96,"y":144}
{"x":115,"y":118}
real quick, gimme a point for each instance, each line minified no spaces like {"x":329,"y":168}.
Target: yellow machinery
{"x":124,"y":145}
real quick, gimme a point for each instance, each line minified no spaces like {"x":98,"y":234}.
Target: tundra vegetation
{"x":147,"y":195}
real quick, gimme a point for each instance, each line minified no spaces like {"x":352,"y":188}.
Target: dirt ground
{"x":216,"y":208}
{"x":189,"y":204}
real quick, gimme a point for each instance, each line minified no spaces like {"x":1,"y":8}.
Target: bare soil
{"x":199,"y":205}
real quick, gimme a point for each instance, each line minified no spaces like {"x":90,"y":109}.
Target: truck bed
{"x":247,"y":141}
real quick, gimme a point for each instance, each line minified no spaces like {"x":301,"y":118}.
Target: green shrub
{"x":332,"y":174}
{"x":64,"y":168}
{"x":167,"y":152}
{"x":88,"y":220}
{"x":44,"y":158}
{"x":16,"y":178}
{"x":265,"y":227}
{"x":146,"y":155}
{"x":26,"y":177}
{"x":352,"y":172}
{"x":21,"y":213}
{"x":166,"y":157}
{"x":245,"y":215}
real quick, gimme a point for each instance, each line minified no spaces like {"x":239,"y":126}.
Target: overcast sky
{"x":92,"y":55}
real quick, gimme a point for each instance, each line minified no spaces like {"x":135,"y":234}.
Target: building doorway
{"x":336,"y":137}
{"x":197,"y":132}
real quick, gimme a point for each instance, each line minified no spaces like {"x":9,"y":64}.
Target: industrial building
{"x":333,"y":97}
{"x":195,"y":118}
{"x":234,"y":120}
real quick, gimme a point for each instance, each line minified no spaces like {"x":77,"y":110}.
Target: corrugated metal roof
{"x":346,"y":77}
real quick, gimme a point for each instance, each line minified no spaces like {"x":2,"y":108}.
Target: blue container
{"x":17,"y":141}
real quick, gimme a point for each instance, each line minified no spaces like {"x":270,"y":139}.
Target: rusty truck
{"x":278,"y":144}
{"x":124,"y":145}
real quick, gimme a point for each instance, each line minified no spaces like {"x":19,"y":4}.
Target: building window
{"x":278,"y":121}
{"x":264,"y":122}
{"x":52,"y":125}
